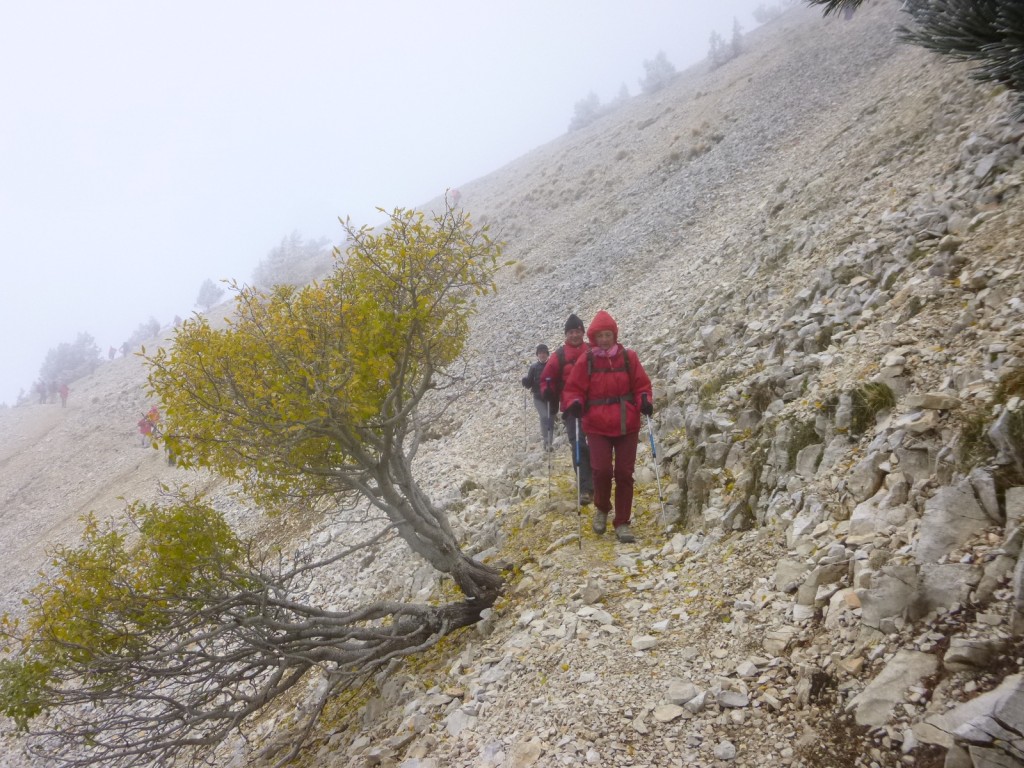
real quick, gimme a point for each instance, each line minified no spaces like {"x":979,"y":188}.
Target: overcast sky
{"x":146,"y":147}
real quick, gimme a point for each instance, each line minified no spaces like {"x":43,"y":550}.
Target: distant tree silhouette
{"x":765,"y":13}
{"x":144,"y":332}
{"x":718,"y":52}
{"x":586,"y":111}
{"x":658,"y":73}
{"x":988,"y":32}
{"x":71,"y":360}
{"x":296,"y":261}
{"x":209,"y":294}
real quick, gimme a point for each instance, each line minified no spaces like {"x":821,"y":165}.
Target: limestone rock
{"x":873,"y":706}
{"x":951,"y":517}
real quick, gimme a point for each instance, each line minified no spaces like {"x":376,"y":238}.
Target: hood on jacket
{"x":602,"y":322}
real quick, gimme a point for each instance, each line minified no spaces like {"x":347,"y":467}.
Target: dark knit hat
{"x":573,"y":322}
{"x":542,"y":348}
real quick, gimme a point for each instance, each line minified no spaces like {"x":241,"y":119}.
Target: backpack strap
{"x":625,"y":365}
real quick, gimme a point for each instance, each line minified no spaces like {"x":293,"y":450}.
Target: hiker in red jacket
{"x":145,"y":431}
{"x":552,"y":381}
{"x":609,"y":389}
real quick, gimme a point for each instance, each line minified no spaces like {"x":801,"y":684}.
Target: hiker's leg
{"x":601,"y":464}
{"x":542,"y":412}
{"x":625,"y":459}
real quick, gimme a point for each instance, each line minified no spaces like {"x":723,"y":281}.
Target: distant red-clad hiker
{"x":154,"y":418}
{"x":64,"y":395}
{"x":145,"y":431}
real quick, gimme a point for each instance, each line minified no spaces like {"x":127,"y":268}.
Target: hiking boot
{"x":623,"y":534}
{"x":600,"y":522}
{"x":586,"y":498}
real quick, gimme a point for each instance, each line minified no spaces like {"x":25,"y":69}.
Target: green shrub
{"x":974,"y":447}
{"x":868,"y":400}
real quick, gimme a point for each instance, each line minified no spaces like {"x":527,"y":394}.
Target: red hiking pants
{"x":614,"y":457}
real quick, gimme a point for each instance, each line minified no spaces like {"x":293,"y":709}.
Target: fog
{"x":146,"y":148}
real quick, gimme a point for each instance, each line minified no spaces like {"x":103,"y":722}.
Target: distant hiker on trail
{"x":609,"y":389}
{"x":64,"y":391}
{"x":145,"y":431}
{"x":552,"y":381}
{"x":125,"y":349}
{"x":42,"y":390}
{"x":111,"y":352}
{"x":544,"y":409}
{"x":149,"y":426}
{"x":154,"y":418}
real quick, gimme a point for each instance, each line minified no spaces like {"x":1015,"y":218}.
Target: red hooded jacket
{"x":608,"y":386}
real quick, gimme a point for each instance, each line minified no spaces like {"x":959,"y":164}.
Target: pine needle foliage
{"x":989,"y":33}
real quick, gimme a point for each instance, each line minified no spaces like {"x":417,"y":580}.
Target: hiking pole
{"x":549,"y":474}
{"x":525,"y":424}
{"x":552,"y":413}
{"x":657,"y":474}
{"x":579,"y":507}
{"x":551,"y":434}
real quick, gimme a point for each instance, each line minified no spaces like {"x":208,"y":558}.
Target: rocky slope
{"x":815,"y":249}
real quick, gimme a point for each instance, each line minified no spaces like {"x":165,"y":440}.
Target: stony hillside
{"x":816,"y":252}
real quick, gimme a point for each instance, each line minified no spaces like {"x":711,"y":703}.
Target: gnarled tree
{"x":157,"y":645}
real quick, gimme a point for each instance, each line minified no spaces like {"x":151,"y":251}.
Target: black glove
{"x":645,"y":406}
{"x":525,"y":381}
{"x":550,"y":395}
{"x":574,"y":411}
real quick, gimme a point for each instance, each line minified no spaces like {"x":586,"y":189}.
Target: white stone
{"x":666,"y":713}
{"x":725,"y":750}
{"x":643,"y":642}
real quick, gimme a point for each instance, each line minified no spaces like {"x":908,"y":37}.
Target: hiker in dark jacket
{"x":610,"y":390}
{"x":553,"y":379}
{"x":544,"y":409}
